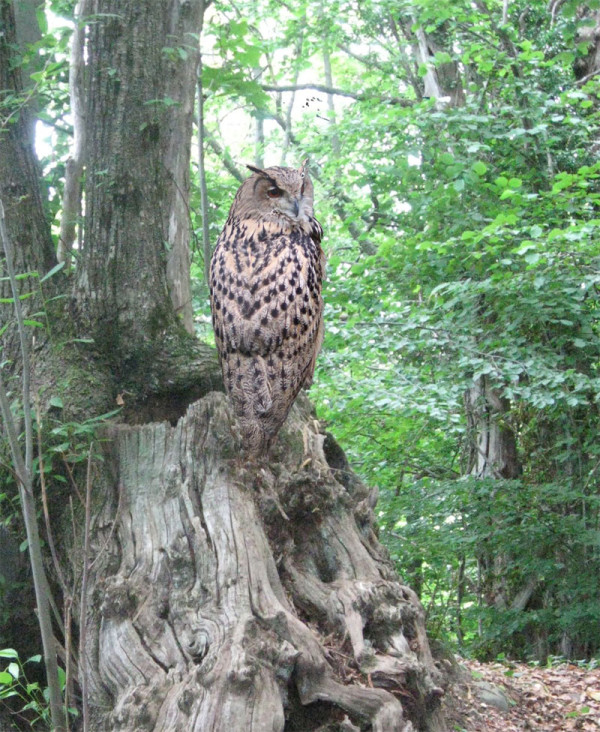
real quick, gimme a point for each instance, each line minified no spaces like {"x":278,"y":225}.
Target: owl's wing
{"x":316,"y":235}
{"x":268,"y":320}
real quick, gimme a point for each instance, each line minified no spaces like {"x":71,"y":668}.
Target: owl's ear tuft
{"x":263,"y":174}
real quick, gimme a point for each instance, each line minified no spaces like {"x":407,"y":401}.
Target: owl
{"x":265,"y":295}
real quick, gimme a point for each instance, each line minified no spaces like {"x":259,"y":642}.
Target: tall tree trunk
{"x":206,"y":248}
{"x":139,"y":111}
{"x":26,"y":224}
{"x":71,"y":203}
{"x":442,"y":82}
{"x":494,"y":445}
{"x":181,"y":67}
{"x":493,"y":456}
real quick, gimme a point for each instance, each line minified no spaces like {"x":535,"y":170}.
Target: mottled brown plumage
{"x":265,"y":294}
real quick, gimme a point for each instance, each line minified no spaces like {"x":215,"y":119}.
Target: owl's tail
{"x":249,"y":388}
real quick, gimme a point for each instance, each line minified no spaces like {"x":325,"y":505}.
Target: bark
{"x":494,"y":456}
{"x":130,"y":298}
{"x":182,"y":33}
{"x":26,"y":224}
{"x":228,"y":596}
{"x":28,"y":32}
{"x":71,"y":204}
{"x":587,"y":65}
{"x":138,"y":126}
{"x":494,"y":445}
{"x":442,"y":82}
{"x":206,"y":250}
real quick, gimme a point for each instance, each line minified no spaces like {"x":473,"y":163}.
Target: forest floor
{"x":548,"y":699}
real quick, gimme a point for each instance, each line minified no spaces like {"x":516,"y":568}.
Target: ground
{"x":550,"y":699}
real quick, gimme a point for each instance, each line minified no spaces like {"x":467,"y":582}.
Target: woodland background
{"x":454,"y":149}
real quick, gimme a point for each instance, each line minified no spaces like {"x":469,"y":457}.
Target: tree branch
{"x":338,"y":92}
{"x":224,"y":155}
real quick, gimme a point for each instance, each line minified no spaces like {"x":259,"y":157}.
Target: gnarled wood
{"x":214,"y":584}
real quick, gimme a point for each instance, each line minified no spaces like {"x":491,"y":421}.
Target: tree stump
{"x":230,"y":595}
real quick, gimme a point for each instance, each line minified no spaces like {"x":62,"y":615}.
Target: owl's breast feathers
{"x":268,"y":317}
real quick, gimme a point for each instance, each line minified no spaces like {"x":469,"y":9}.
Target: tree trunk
{"x":442,"y":82}
{"x":138,"y":125}
{"x":226,"y":596}
{"x":26,"y":224}
{"x":181,"y":37}
{"x":493,"y":456}
{"x":494,"y":446}
{"x":71,"y":202}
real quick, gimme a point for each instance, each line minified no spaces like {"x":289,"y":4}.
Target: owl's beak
{"x":295,"y":206}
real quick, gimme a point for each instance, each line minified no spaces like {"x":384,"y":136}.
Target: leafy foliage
{"x":24,"y":698}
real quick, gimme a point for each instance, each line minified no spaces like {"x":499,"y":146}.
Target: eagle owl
{"x":265,"y":296}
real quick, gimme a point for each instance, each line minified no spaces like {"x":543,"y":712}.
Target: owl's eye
{"x":274,"y":192}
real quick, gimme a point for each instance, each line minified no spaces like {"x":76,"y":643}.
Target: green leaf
{"x":479,"y":168}
{"x":442,"y":57}
{"x":53,"y":271}
{"x":8,"y":653}
{"x":41,"y":19}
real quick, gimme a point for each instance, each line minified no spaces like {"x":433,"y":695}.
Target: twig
{"x":83,"y":603}
{"x":72,"y":479}
{"x":68,"y":640}
{"x":587,"y":77}
{"x":49,"y":536}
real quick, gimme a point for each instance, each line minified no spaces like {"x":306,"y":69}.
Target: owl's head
{"x":275,"y":194}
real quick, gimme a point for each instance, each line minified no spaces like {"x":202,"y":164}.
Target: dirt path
{"x":557,"y":699}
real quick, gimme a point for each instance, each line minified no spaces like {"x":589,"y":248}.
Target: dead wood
{"x":232,"y":596}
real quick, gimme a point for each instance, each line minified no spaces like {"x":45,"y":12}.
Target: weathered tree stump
{"x":226,"y":595}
